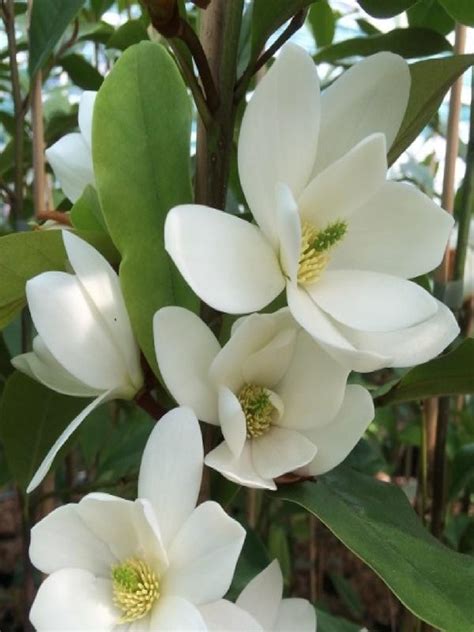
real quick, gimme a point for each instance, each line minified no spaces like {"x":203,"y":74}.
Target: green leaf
{"x":385,"y":8}
{"x":450,"y":374}
{"x":141,"y":131}
{"x":430,"y":14}
{"x":322,"y":22}
{"x":329,"y":623}
{"x":25,"y":255}
{"x":377,"y":523}
{"x":49,"y":20}
{"x":130,"y":33}
{"x":86,"y":213}
{"x":462,"y":469}
{"x":409,"y":43}
{"x":430,"y":81}
{"x":81,"y":72}
{"x":31,"y":419}
{"x":460,"y":10}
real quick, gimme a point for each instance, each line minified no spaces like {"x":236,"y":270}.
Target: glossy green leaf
{"x":322,"y":22}
{"x":81,"y":72}
{"x":128,"y":34}
{"x":430,"y":81}
{"x":141,"y":133}
{"x":31,"y":419}
{"x":377,"y":523}
{"x":450,"y":374}
{"x":49,"y":20}
{"x":329,"y":623}
{"x":409,"y":43}
{"x":431,"y":15}
{"x":25,"y":255}
{"x":86,"y":213}
{"x":460,"y":10}
{"x":385,"y":8}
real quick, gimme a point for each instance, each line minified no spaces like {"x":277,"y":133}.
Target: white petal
{"x":296,"y":614}
{"x":339,"y":437}
{"x":73,"y":332}
{"x":281,"y":451}
{"x":174,"y":614}
{"x":288,"y":230}
{"x":71,"y":160}
{"x":185,"y":348}
{"x":227,"y":261}
{"x":410,"y":346}
{"x":62,"y":540}
{"x":369,"y":97}
{"x":171,"y":470}
{"x":239,"y":470}
{"x":101,"y":283}
{"x":313,"y":387}
{"x":335,"y":193}
{"x":232,"y":420}
{"x":262,"y":596}
{"x":325,"y":331}
{"x":73,"y":600}
{"x":279,"y":133}
{"x":399,"y":231}
{"x":255,"y":333}
{"x":203,"y":555}
{"x":370,"y":301}
{"x":86,"y":110}
{"x":224,"y":616}
{"x":63,"y":437}
{"x":267,"y":366}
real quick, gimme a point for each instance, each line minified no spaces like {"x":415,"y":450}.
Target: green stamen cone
{"x":328,"y":237}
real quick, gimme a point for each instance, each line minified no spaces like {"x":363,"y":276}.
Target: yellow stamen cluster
{"x":136,"y":589}
{"x":258,"y":409}
{"x":315,"y":247}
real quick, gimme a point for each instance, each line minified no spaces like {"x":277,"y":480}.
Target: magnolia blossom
{"x":149,"y":564}
{"x":280,"y":399}
{"x":262,"y":598}
{"x":330,"y":227}
{"x":85,"y":346}
{"x":71,"y":156}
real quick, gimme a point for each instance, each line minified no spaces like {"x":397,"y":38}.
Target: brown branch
{"x":55,"y":216}
{"x":145,"y":401}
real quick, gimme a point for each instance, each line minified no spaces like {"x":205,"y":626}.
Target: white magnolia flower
{"x":71,"y":156}
{"x":280,"y":399}
{"x":262,"y":598}
{"x":85,"y":346}
{"x":143,"y":565}
{"x":330,"y":228}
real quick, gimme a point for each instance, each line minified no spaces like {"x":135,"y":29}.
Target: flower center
{"x":315,"y":247}
{"x":136,"y":588}
{"x":258,"y":409}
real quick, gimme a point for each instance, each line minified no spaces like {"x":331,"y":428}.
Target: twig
{"x":55,"y":216}
{"x":149,"y":404}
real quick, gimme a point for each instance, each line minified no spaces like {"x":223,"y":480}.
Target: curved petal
{"x":281,"y":451}
{"x":63,"y":437}
{"x":185,"y":349}
{"x":255,"y":332}
{"x":203,"y":555}
{"x":370,"y":97}
{"x":101,"y":283}
{"x":71,"y":160}
{"x":413,"y":345}
{"x":239,"y":470}
{"x":74,"y":334}
{"x":313,"y":387}
{"x":174,"y":614}
{"x":232,"y":421}
{"x":86,"y":110}
{"x":370,"y":301}
{"x":262,"y":596}
{"x":288,"y":225}
{"x":171,"y":470}
{"x":295,"y":614}
{"x":335,"y":193}
{"x":76,"y":601}
{"x":227,"y":261}
{"x":279,"y":133}
{"x":267,"y":366}
{"x":332,"y":338}
{"x":336,"y":440}
{"x":399,"y":231}
{"x":224,"y":615}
